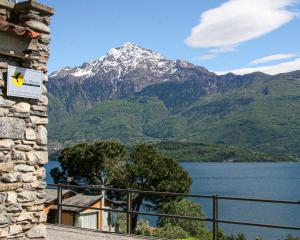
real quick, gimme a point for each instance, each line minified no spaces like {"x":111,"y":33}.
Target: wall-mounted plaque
{"x":25,"y":83}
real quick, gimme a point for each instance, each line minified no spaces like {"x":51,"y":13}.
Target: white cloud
{"x":270,"y":69}
{"x":213,"y":53}
{"x":207,"y":56}
{"x":224,"y":49}
{"x":273,"y":57}
{"x":237,"y":21}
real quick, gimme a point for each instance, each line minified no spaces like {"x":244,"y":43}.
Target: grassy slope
{"x":209,"y":152}
{"x":251,"y":118}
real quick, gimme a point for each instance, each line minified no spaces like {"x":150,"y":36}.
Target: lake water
{"x":261,"y":180}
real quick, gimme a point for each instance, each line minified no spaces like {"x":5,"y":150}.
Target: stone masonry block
{"x":12,"y":128}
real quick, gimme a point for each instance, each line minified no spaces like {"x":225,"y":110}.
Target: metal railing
{"x":215,"y":207}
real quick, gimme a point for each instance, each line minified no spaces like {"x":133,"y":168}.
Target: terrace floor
{"x":59,"y":232}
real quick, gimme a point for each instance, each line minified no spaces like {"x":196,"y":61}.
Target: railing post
{"x":129,"y":220}
{"x":215,"y":217}
{"x":110,"y":220}
{"x":59,"y":203}
{"x":217,"y":214}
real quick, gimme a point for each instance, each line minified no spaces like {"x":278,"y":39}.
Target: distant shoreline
{"x":208,"y":152}
{"x":182,"y":161}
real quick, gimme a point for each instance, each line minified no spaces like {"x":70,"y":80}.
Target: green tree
{"x":146,"y":169}
{"x":171,"y":232}
{"x":186,"y":207}
{"x":239,"y":236}
{"x":88,"y":163}
{"x":291,"y":237}
{"x":223,"y":236}
{"x":144,"y":228}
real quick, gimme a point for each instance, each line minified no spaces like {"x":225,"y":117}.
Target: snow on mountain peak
{"x":130,"y":51}
{"x":120,"y":61}
{"x":126,"y":57}
{"x":129,"y":44}
{"x":60,"y":72}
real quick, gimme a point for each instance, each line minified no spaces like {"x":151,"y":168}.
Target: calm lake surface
{"x":255,"y":180}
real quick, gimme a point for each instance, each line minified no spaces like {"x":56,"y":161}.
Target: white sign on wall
{"x":23,"y":82}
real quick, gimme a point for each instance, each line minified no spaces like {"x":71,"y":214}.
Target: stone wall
{"x":24,"y":39}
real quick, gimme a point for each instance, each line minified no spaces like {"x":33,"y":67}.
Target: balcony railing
{"x":214,"y":219}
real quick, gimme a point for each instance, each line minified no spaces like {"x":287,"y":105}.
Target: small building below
{"x":80,"y":217}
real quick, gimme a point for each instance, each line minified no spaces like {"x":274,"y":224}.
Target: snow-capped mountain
{"x":133,"y":94}
{"x":122,"y":71}
{"x":124,"y":60}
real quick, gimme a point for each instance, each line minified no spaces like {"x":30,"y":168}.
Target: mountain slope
{"x":133,"y":94}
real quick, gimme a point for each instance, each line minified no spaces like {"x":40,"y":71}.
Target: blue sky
{"x":237,"y":35}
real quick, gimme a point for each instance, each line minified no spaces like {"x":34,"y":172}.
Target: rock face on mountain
{"x":122,"y":71}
